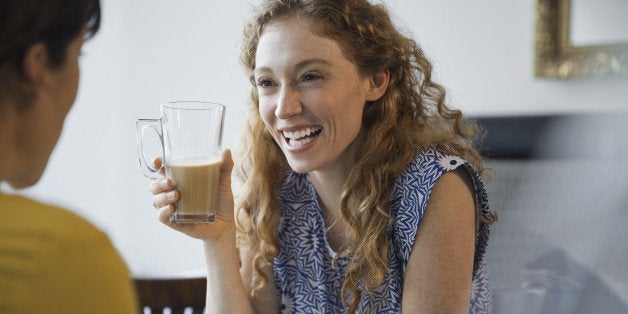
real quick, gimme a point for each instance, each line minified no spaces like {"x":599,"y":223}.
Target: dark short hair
{"x":53,"y":22}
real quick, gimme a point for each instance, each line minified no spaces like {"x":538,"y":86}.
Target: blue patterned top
{"x":309,"y":275}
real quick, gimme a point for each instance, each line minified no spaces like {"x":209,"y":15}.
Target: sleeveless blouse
{"x":309,"y":274}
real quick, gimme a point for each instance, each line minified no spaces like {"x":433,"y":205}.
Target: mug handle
{"x":140,"y":126}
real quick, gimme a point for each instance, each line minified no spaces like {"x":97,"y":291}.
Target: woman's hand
{"x":164,"y":197}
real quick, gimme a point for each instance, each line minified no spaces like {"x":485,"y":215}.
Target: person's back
{"x":53,"y":261}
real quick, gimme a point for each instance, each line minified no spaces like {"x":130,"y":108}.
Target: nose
{"x":288,"y":103}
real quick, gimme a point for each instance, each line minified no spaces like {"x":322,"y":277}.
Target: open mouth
{"x":301,"y":137}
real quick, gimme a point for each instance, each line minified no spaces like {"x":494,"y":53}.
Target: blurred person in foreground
{"x":51,"y":260}
{"x":361,"y":189}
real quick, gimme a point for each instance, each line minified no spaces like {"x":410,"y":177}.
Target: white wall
{"x":150,"y":52}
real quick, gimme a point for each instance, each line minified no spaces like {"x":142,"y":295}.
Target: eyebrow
{"x":299,"y":65}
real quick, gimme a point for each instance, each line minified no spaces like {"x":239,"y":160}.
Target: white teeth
{"x":298,"y":136}
{"x":302,"y":142}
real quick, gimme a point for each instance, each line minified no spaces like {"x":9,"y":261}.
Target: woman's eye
{"x":311,"y":77}
{"x":261,"y":82}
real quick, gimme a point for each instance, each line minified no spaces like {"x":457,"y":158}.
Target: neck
{"x":330,"y":181}
{"x":329,"y":189}
{"x":10,"y":160}
{"x":329,"y":186}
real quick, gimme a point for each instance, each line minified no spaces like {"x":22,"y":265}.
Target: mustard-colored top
{"x":53,"y":261}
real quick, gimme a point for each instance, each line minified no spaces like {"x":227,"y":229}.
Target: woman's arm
{"x":226,"y":292}
{"x":439,"y":272}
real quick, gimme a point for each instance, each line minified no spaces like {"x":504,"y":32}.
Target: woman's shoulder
{"x":426,"y":167}
{"x":433,"y":159}
{"x":413,"y":189}
{"x":414,"y":186}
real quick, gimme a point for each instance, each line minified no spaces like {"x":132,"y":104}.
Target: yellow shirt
{"x":53,"y":261}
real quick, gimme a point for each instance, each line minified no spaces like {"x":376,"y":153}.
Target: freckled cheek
{"x":266,"y":111}
{"x":267,"y":114}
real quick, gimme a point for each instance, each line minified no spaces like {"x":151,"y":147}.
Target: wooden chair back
{"x":177,"y":294}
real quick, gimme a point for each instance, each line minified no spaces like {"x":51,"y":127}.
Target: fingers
{"x":166,"y":198}
{"x":164,"y":213}
{"x":226,"y":166}
{"x":198,"y":231}
{"x":160,"y":185}
{"x":163,"y":193}
{"x":157,"y":164}
{"x":225,"y":196}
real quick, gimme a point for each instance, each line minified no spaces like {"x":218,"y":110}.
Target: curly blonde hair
{"x":411,"y":115}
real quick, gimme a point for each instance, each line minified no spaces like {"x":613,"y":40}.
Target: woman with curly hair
{"x":360,"y":186}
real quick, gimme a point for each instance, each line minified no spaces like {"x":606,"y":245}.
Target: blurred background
{"x":557,"y":147}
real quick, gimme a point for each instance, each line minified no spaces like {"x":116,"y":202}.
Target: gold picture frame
{"x":556,"y":58}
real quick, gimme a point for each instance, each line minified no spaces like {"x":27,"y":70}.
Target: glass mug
{"x":190,"y":134}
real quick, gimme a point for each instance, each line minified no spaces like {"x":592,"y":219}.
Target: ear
{"x":35,"y":64}
{"x":379,"y":84}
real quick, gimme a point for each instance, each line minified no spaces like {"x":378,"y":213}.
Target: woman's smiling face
{"x":311,"y":97}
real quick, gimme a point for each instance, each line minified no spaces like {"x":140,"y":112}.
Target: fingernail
{"x":170,"y":196}
{"x":164,"y":184}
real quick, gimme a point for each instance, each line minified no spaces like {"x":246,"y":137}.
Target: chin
{"x":300,"y":166}
{"x":22,"y":184}
{"x":27,"y":180}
